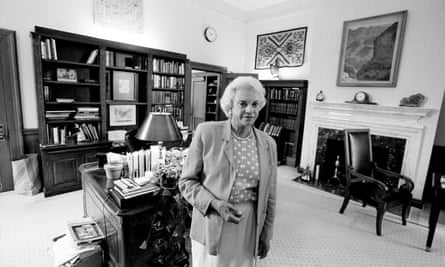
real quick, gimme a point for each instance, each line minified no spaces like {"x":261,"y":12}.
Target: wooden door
{"x":11,"y":136}
{"x":198,"y":97}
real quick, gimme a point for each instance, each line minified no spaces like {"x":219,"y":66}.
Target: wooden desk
{"x":125,"y":230}
{"x":438,"y":198}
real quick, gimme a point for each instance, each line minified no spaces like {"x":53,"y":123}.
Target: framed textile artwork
{"x":371,"y":49}
{"x":285,"y":47}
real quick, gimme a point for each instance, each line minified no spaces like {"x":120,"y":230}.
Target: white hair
{"x":241,"y":82}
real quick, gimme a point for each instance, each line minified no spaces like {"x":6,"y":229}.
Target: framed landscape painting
{"x":370,"y":50}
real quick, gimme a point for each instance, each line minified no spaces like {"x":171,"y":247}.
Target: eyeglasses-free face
{"x":246,"y":107}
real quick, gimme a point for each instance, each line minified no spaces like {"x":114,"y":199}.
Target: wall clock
{"x":210,"y":34}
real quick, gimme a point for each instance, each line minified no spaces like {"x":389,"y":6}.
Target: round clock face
{"x":210,"y":34}
{"x":361,"y":97}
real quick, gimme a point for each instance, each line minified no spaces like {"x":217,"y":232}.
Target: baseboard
{"x":417,"y":203}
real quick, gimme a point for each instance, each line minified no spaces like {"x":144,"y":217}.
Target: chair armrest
{"x":381,"y":188}
{"x":408,"y":185}
{"x":360,"y":177}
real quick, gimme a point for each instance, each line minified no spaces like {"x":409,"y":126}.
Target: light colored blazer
{"x":209,"y":174}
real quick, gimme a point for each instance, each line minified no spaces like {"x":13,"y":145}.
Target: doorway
{"x":11,"y":136}
{"x":205,"y":88}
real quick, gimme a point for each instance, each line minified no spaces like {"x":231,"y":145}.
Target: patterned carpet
{"x":309,"y":231}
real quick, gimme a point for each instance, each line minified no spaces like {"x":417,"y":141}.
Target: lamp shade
{"x":159,"y":126}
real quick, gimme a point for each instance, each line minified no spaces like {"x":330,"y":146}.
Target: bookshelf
{"x":169,"y":83}
{"x":283,"y":117}
{"x":89,"y":87}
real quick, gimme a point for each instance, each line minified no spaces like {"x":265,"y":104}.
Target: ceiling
{"x":250,"y":10}
{"x":252,"y":5}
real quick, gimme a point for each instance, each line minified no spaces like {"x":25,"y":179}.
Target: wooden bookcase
{"x":169,"y":84}
{"x":88,"y":87}
{"x":284,"y":113}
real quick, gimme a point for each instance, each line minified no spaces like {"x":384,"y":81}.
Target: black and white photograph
{"x":222,"y":133}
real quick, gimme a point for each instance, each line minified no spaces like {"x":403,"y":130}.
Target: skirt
{"x":237,"y":244}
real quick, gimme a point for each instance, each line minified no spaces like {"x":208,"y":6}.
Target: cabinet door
{"x":63,"y":172}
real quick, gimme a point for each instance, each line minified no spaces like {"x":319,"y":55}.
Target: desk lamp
{"x":159,"y":127}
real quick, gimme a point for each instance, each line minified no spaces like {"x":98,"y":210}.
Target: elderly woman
{"x":230,"y":179}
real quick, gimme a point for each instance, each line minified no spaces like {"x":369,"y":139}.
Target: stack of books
{"x":87,"y":113}
{"x":58,"y":114}
{"x":128,"y":193}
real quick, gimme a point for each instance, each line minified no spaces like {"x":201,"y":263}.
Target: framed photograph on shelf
{"x":371,"y":49}
{"x":122,"y":115}
{"x":66,"y":75}
{"x":125,"y":85}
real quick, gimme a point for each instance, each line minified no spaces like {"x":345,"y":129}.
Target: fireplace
{"x":399,"y":124}
{"x":388,"y":153}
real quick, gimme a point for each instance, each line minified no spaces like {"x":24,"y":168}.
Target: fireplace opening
{"x":388,"y":153}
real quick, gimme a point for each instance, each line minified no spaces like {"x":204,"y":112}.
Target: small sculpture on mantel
{"x":320,"y":96}
{"x":412,"y":101}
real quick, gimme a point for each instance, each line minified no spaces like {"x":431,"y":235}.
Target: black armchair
{"x":370,"y":184}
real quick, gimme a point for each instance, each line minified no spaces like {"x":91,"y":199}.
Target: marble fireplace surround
{"x":397,"y":122}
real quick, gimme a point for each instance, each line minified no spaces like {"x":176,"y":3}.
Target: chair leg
{"x":380,"y":213}
{"x":345,"y":202}
{"x":405,"y":208}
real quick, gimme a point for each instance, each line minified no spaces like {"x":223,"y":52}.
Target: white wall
{"x":422,"y":61}
{"x":174,"y":25}
{"x":177,"y":25}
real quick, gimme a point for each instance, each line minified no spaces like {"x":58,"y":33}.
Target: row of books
{"x":176,"y":111}
{"x":58,"y":134}
{"x":285,"y":108}
{"x":117,"y":59}
{"x":286,"y":123}
{"x":169,"y":82}
{"x":270,"y":129}
{"x":168,"y":97}
{"x":48,"y":49}
{"x":290,"y":94}
{"x":168,"y":66}
{"x":87,"y":132}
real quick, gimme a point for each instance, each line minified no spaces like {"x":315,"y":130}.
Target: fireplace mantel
{"x":397,"y":122}
{"x":358,"y":111}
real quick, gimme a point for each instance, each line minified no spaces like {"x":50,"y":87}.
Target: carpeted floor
{"x":309,"y":231}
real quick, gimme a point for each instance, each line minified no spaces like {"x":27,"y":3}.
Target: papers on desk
{"x":128,"y":188}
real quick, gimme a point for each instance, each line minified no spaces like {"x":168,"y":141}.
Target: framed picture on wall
{"x":371,"y":49}
{"x":287,"y":47}
{"x":122,"y":115}
{"x":125,"y":85}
